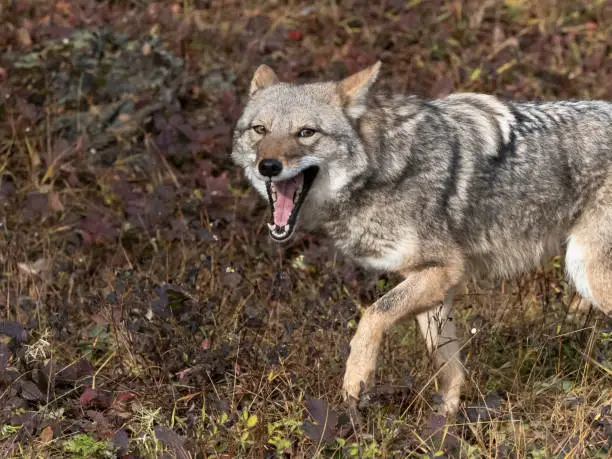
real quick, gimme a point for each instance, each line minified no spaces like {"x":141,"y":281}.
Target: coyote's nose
{"x":270,"y":167}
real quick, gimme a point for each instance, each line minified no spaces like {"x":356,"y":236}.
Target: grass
{"x":161,"y":320}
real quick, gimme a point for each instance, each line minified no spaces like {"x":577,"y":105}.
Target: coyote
{"x":434,"y":190}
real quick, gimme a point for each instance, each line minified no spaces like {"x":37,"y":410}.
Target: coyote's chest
{"x":374,"y":242}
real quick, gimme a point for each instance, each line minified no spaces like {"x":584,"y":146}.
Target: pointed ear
{"x":264,"y":76}
{"x":354,"y":89}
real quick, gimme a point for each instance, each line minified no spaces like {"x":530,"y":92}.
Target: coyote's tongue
{"x":285,"y":191}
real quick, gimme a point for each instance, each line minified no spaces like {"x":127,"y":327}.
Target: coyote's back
{"x":520,"y":175}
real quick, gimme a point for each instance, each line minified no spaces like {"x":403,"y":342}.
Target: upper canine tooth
{"x":297,"y":193}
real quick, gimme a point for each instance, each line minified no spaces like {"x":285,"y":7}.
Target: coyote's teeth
{"x":271,"y":226}
{"x":273,"y":195}
{"x":297,"y":193}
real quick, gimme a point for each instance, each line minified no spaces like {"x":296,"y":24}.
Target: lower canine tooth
{"x":271,"y":226}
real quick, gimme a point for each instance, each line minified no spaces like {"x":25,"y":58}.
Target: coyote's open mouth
{"x":286,"y":198}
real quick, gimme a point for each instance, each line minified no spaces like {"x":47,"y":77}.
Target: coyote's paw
{"x":357,"y":379}
{"x":447,"y":404}
{"x":353,"y":387}
{"x":360,"y":367}
{"x":447,"y":408}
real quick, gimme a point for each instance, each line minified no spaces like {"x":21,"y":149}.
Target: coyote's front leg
{"x":420,"y":291}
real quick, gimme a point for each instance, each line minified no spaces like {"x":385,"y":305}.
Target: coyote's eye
{"x":259,"y":129}
{"x":306,"y":132}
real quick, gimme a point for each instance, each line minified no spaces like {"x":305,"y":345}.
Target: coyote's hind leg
{"x":439,"y":331}
{"x":588,"y":260}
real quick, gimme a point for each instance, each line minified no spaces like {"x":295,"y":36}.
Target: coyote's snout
{"x":435,"y":190}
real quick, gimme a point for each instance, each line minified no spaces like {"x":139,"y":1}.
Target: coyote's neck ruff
{"x":432,"y":189}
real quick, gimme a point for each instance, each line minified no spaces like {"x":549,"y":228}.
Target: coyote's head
{"x":299,"y":145}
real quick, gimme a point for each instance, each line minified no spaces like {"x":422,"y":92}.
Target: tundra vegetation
{"x":144,"y":311}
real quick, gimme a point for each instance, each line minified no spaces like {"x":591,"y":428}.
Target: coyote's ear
{"x":354,"y":89}
{"x":264,"y":76}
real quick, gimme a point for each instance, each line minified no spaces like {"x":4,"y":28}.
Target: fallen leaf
{"x":88,"y":396}
{"x":122,"y":397}
{"x":55,"y":202}
{"x":294,"y":35}
{"x":100,"y":398}
{"x":31,"y":392}
{"x":46,"y":435}
{"x":15,"y":330}
{"x":5,"y":356}
{"x":122,"y":441}
{"x":36,"y":206}
{"x":170,"y":439}
{"x":325,"y":420}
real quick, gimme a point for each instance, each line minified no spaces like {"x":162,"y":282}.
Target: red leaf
{"x":294,"y":35}
{"x":88,"y":396}
{"x":123,"y":396}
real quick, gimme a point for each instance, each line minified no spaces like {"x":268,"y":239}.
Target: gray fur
{"x":468,"y":171}
{"x":437,"y":189}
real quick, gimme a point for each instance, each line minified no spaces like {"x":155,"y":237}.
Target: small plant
{"x":365,"y":449}
{"x":247,"y":422}
{"x":85,"y":446}
{"x":281,"y":432}
{"x":7,"y":430}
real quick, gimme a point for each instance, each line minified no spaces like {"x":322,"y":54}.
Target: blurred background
{"x":145,"y":313}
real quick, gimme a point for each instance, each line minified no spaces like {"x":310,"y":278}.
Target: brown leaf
{"x":98,"y":418}
{"x":29,"y":111}
{"x":14,"y":330}
{"x":5,"y":357}
{"x":36,"y":206}
{"x":122,"y":441}
{"x":30,"y":391}
{"x":46,"y":435}
{"x":171,"y":440}
{"x":100,"y":398}
{"x":74,"y":372}
{"x":121,"y":398}
{"x":325,"y":420}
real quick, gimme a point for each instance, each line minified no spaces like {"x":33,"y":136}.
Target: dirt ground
{"x":144,"y":311}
